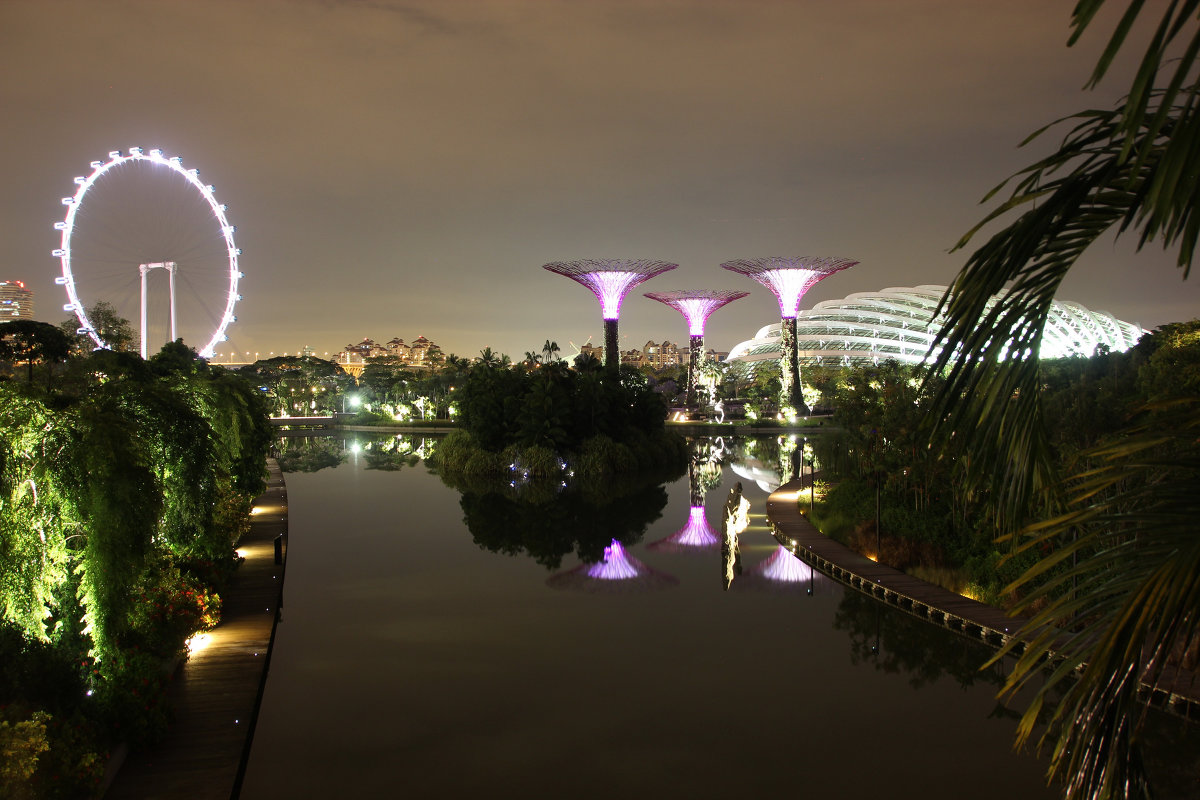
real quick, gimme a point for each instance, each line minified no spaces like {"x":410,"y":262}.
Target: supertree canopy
{"x":789,"y":279}
{"x":696,"y":307}
{"x":610,"y":279}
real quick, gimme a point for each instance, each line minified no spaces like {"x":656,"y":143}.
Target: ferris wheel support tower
{"x":170,"y":267}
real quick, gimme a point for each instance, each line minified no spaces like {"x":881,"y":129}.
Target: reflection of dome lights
{"x":753,"y":470}
{"x":695,"y":536}
{"x":618,"y":571}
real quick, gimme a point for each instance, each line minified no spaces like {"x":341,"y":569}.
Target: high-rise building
{"x":16,"y":302}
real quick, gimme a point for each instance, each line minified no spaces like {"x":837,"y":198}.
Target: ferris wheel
{"x":137,"y":217}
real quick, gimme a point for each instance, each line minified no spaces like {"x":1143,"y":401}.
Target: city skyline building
{"x":610,"y":280}
{"x":789,"y":279}
{"x":16,"y":301}
{"x":696,"y":306}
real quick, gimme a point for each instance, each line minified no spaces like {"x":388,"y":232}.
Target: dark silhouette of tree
{"x":33,"y":342}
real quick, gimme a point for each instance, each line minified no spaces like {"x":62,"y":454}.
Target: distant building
{"x":654,"y":355}
{"x":16,"y":302}
{"x":421,"y":354}
{"x":596,"y":352}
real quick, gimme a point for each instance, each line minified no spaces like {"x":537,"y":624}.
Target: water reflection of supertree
{"x":546,"y":521}
{"x":696,"y":307}
{"x":782,"y":570}
{"x":789,"y":279}
{"x":696,"y":536}
{"x":617,"y":571}
{"x":610,"y":280}
{"x":704,"y":473}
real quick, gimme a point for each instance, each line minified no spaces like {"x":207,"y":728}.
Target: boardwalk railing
{"x":1177,"y":691}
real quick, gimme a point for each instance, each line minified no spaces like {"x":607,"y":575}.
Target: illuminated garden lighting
{"x":788,"y":279}
{"x":610,"y":280}
{"x":696,"y":307}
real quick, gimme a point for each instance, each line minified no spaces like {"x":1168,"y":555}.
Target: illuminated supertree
{"x":789,"y":279}
{"x":696,"y":307}
{"x":610,"y":279}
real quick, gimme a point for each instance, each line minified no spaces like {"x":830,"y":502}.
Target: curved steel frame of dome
{"x":899,"y":323}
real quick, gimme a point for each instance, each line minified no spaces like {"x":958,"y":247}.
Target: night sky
{"x":406,"y":168}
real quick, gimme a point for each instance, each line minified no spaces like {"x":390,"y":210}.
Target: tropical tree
{"x":30,"y":341}
{"x":1120,"y":586}
{"x":116,"y":331}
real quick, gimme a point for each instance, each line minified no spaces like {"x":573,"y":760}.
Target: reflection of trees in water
{"x":898,"y":643}
{"x":310,"y":454}
{"x":389,"y":453}
{"x":389,"y":460}
{"x":547,"y":521}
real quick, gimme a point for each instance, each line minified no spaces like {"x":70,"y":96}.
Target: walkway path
{"x":216,"y":693}
{"x":928,"y":601}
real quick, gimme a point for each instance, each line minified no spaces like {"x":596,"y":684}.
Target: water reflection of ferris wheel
{"x":146,"y":236}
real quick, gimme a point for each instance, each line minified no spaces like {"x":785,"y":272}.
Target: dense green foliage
{"x":121,"y":497}
{"x":536,"y":419}
{"x":931,"y":514}
{"x":1119,"y":520}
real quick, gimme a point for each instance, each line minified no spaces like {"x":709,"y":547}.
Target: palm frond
{"x":1120,"y":596}
{"x":989,"y":351}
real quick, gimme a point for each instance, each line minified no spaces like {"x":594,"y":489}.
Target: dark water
{"x":412,"y":661}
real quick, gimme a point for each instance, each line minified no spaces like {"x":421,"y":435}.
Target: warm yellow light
{"x":198,"y":643}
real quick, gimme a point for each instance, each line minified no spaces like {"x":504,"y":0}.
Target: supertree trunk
{"x":695,"y":356}
{"x":612,"y":356}
{"x":790,"y":391}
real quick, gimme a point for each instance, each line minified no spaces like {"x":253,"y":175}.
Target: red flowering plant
{"x":169,"y":606}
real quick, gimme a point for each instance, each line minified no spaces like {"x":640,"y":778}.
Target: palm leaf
{"x":1120,"y":596}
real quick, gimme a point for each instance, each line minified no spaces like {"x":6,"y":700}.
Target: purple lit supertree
{"x":610,"y":279}
{"x":789,"y":279}
{"x":696,"y":307}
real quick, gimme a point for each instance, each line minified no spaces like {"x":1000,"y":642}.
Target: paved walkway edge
{"x":216,"y":694}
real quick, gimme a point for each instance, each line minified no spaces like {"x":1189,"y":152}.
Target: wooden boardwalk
{"x":1178,"y":691}
{"x":216,"y":693}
